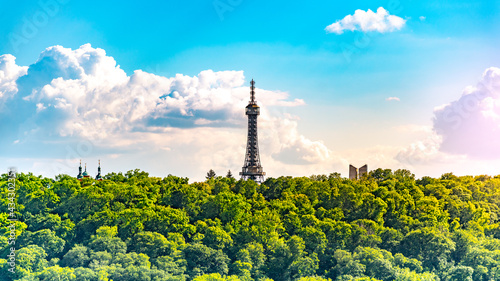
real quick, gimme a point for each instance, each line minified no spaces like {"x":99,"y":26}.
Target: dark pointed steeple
{"x":99,"y":177}
{"x":80,"y":176}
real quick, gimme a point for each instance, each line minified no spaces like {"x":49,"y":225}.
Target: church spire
{"x":99,"y":177}
{"x":85,"y":174}
{"x":80,"y":176}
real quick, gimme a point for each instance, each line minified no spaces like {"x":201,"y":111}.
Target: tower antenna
{"x":252,"y":92}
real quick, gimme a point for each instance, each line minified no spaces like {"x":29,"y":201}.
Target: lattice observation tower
{"x":252,"y":168}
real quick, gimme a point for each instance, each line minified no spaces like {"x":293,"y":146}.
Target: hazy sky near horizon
{"x":162,"y":85}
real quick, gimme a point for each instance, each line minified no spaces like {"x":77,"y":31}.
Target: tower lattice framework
{"x":252,"y":168}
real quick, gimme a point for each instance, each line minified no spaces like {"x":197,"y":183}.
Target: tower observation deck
{"x":252,"y":168}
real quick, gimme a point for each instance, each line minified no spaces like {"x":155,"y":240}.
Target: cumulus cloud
{"x":91,"y":95}
{"x":9,"y":72}
{"x":288,"y":146}
{"x":471,"y":124}
{"x":467,"y":128}
{"x":367,"y":21}
{"x":427,"y":151}
{"x":68,"y":96}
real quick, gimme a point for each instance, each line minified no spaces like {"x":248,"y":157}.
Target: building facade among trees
{"x":355,"y":173}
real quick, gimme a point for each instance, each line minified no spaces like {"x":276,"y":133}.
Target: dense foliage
{"x":386,"y":226}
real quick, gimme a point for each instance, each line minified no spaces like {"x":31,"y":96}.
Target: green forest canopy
{"x":386,"y":226}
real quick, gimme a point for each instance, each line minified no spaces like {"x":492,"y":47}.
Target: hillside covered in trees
{"x":386,"y":226}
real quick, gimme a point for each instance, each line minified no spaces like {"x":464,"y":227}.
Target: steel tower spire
{"x":252,"y":168}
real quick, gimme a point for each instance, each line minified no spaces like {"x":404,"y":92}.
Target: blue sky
{"x":344,"y":80}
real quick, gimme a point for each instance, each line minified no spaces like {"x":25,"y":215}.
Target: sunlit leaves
{"x":386,"y":226}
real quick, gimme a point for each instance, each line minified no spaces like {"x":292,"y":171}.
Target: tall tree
{"x":211,"y":174}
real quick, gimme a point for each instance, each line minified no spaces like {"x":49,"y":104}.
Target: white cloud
{"x":392,"y":99}
{"x":9,"y":72}
{"x":422,"y":18}
{"x":471,"y":124}
{"x":285,"y":144}
{"x":426,"y":152}
{"x":367,"y":21}
{"x":81,"y":104}
{"x":465,"y":130}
